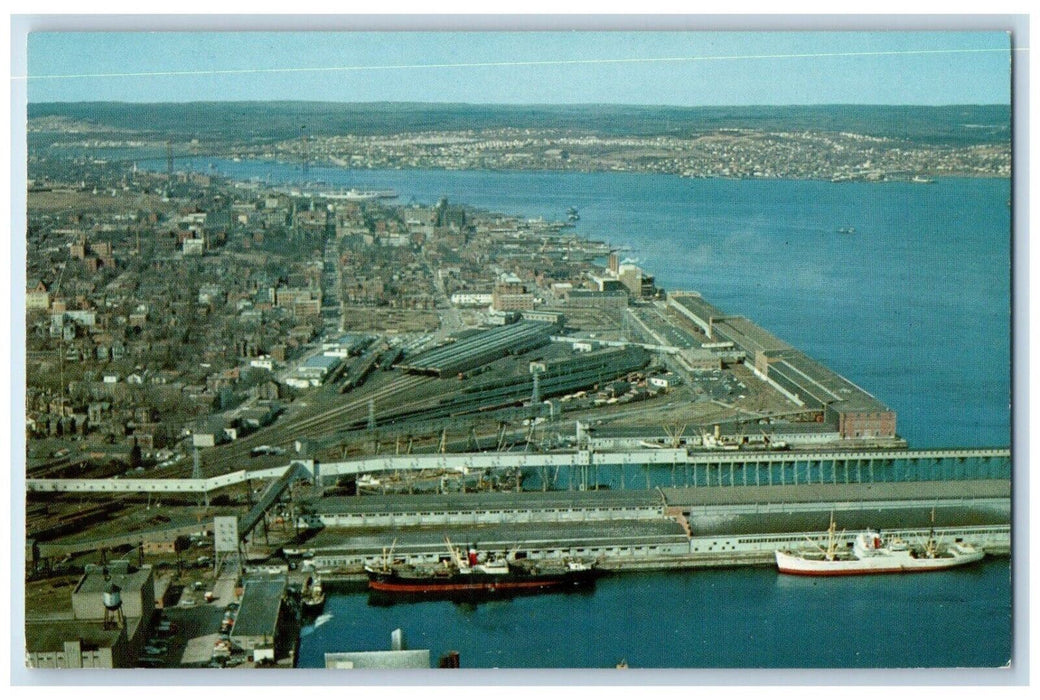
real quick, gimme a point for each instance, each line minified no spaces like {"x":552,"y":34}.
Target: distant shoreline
{"x":825,"y":142}
{"x":328,"y":164}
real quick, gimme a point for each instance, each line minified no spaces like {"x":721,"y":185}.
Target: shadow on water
{"x":472,"y":599}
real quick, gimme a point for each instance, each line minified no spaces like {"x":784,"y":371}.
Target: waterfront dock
{"x":646,"y":529}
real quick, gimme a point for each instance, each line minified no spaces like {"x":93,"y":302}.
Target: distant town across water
{"x":840,"y":142}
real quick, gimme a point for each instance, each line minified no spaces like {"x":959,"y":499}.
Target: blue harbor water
{"x":734,"y":618}
{"x":913,"y":305}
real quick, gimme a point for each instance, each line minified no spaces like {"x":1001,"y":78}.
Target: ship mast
{"x":930,"y":546}
{"x":831,"y":542}
{"x":455,"y":556}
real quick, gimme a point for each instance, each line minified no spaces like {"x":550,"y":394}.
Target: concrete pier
{"x":657,"y":528}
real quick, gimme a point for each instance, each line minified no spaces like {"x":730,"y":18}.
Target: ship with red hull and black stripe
{"x":474,"y":575}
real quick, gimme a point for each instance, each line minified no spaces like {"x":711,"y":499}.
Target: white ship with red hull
{"x":873,"y":554}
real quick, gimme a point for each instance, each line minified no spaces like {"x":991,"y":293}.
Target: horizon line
{"x":524,"y":104}
{"x":511,"y":64}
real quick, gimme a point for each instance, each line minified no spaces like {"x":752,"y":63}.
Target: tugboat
{"x":572,"y":214}
{"x":473,"y":574}
{"x":873,"y":554}
{"x":313,"y":598}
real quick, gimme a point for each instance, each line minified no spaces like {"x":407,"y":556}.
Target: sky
{"x":565,"y":67}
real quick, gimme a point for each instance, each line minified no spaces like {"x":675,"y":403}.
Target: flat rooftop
{"x":851,"y":517}
{"x":258,"y":614}
{"x":409,"y":658}
{"x":373,"y":540}
{"x":484,"y":501}
{"x":823,"y":383}
{"x":97,"y":582}
{"x":696,"y":304}
{"x":320,"y":362}
{"x":51,"y":635}
{"x":925,"y":491}
{"x":813,"y":379}
{"x":595,"y":294}
{"x":748,"y":336}
{"x":649,"y":432}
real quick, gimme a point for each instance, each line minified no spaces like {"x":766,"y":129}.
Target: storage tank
{"x":113,"y":603}
{"x":111,"y":598}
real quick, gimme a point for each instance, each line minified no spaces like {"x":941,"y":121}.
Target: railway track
{"x":286,"y":432}
{"x":304,"y":427}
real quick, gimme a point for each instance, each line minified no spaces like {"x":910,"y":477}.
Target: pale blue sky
{"x":765,"y":68}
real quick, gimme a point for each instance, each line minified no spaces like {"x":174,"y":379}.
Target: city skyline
{"x":559,"y":67}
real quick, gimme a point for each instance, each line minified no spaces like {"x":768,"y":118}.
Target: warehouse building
{"x":511,"y":296}
{"x":317,"y":367}
{"x":109,"y":622}
{"x":136,"y":588}
{"x":75,"y":644}
{"x":257,"y":624}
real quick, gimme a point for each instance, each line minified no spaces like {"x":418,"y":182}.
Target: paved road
{"x":451,"y":318}
{"x":199,"y":627}
{"x":224,"y":590}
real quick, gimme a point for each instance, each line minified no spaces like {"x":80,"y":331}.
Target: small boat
{"x":356,"y":195}
{"x":313,"y":598}
{"x":847,"y":229}
{"x":473,"y":574}
{"x":873,"y":554}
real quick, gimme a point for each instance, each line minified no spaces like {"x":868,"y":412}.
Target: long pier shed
{"x":856,"y":413}
{"x":699,"y":526}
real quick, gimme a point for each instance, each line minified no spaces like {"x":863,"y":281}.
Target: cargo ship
{"x":473,"y":574}
{"x":873,"y":554}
